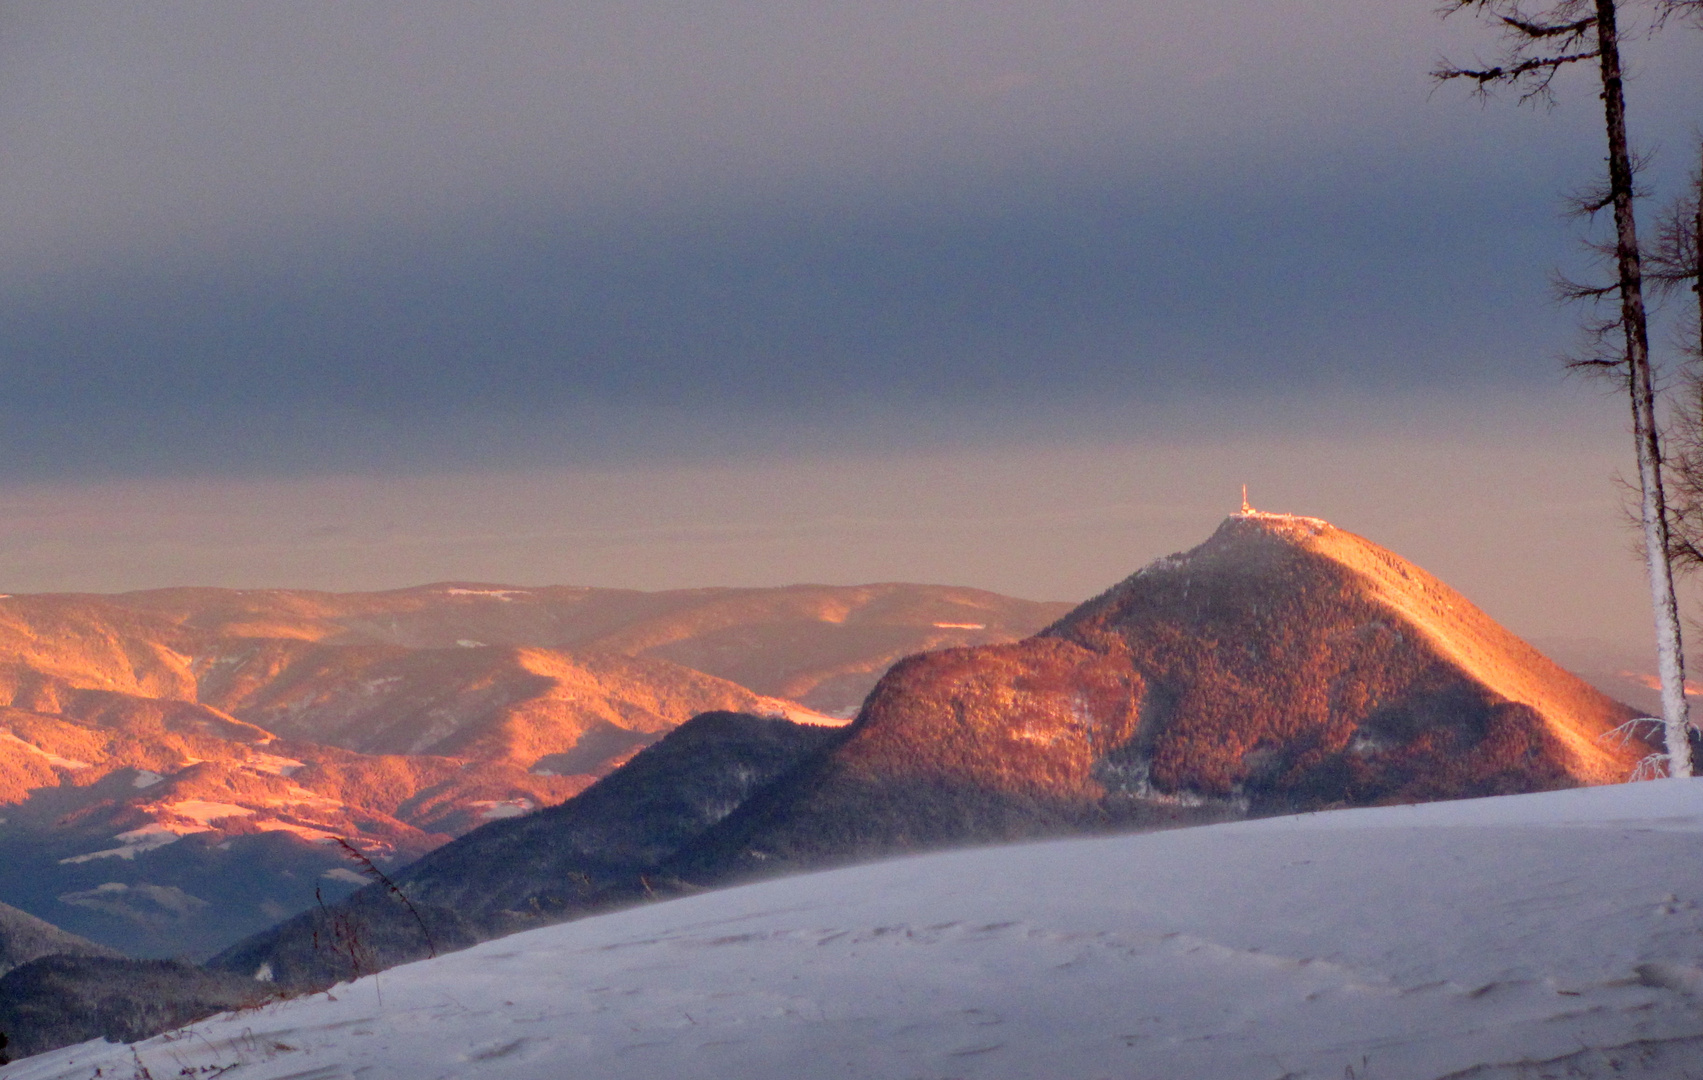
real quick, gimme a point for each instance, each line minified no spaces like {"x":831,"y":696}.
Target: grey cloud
{"x":192,"y":124}
{"x":323,"y":236}
{"x":814,"y":314}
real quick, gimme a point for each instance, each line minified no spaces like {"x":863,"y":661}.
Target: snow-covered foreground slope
{"x":1456,"y":939}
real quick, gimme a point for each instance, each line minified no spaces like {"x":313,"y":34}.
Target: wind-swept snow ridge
{"x":1477,"y":938}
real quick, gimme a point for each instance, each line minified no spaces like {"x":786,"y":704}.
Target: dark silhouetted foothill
{"x":607,"y":847}
{"x":60,"y":1000}
{"x":23,"y":938}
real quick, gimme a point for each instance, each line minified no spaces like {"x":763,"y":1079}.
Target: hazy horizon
{"x":361,"y":295}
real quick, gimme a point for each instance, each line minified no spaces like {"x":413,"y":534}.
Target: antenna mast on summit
{"x":1246,"y":509}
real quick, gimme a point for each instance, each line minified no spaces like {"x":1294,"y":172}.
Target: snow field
{"x":1469,"y":939}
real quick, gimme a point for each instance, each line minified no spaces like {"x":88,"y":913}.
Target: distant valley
{"x":173,"y":762}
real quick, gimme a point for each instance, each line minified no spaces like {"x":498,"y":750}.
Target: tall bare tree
{"x":1537,"y":46}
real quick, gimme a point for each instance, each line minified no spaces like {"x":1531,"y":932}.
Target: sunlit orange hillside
{"x":143,"y":734}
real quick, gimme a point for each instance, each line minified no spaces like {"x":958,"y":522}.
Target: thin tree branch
{"x":1572,"y":31}
{"x":1512,"y":72}
{"x":390,"y":887}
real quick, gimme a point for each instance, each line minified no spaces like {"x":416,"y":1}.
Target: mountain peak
{"x":1278,"y":522}
{"x":1284,"y":664}
{"x":1260,"y":574}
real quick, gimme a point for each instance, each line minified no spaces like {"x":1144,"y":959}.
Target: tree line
{"x":1538,"y":43}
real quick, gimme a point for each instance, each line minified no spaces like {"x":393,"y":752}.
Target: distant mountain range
{"x":1283,"y":665}
{"x":173,"y":763}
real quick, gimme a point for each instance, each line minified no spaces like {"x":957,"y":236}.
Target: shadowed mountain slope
{"x":23,"y":938}
{"x":598,"y":850}
{"x":62,"y":1000}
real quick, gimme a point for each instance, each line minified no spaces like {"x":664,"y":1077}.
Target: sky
{"x":362,"y":294}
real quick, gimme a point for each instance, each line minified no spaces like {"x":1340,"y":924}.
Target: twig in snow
{"x":390,"y":887}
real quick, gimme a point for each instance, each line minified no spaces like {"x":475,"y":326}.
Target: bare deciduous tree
{"x":1684,"y":9}
{"x":1674,"y":260}
{"x":1676,"y":251}
{"x":1537,"y":46}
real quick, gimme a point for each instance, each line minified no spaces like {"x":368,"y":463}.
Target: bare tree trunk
{"x":1653,"y":510}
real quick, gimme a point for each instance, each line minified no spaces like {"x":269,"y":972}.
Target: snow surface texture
{"x":1474,"y":939}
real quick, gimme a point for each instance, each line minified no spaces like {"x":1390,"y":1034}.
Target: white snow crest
{"x":505,"y":595}
{"x":493,"y":809}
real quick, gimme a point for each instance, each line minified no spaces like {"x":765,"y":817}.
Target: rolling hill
{"x":24,"y":938}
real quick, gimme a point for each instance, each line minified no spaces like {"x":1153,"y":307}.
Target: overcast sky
{"x":254,"y":248}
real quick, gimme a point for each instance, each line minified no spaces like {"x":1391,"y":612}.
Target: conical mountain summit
{"x":1282,"y":665}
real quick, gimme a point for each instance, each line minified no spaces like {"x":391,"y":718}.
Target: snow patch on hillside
{"x":273,"y":764}
{"x":132,"y":843}
{"x":317,"y":836}
{"x":492,"y":810}
{"x":52,"y":758}
{"x":136,"y":902}
{"x":803,"y":714}
{"x":1162,"y":564}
